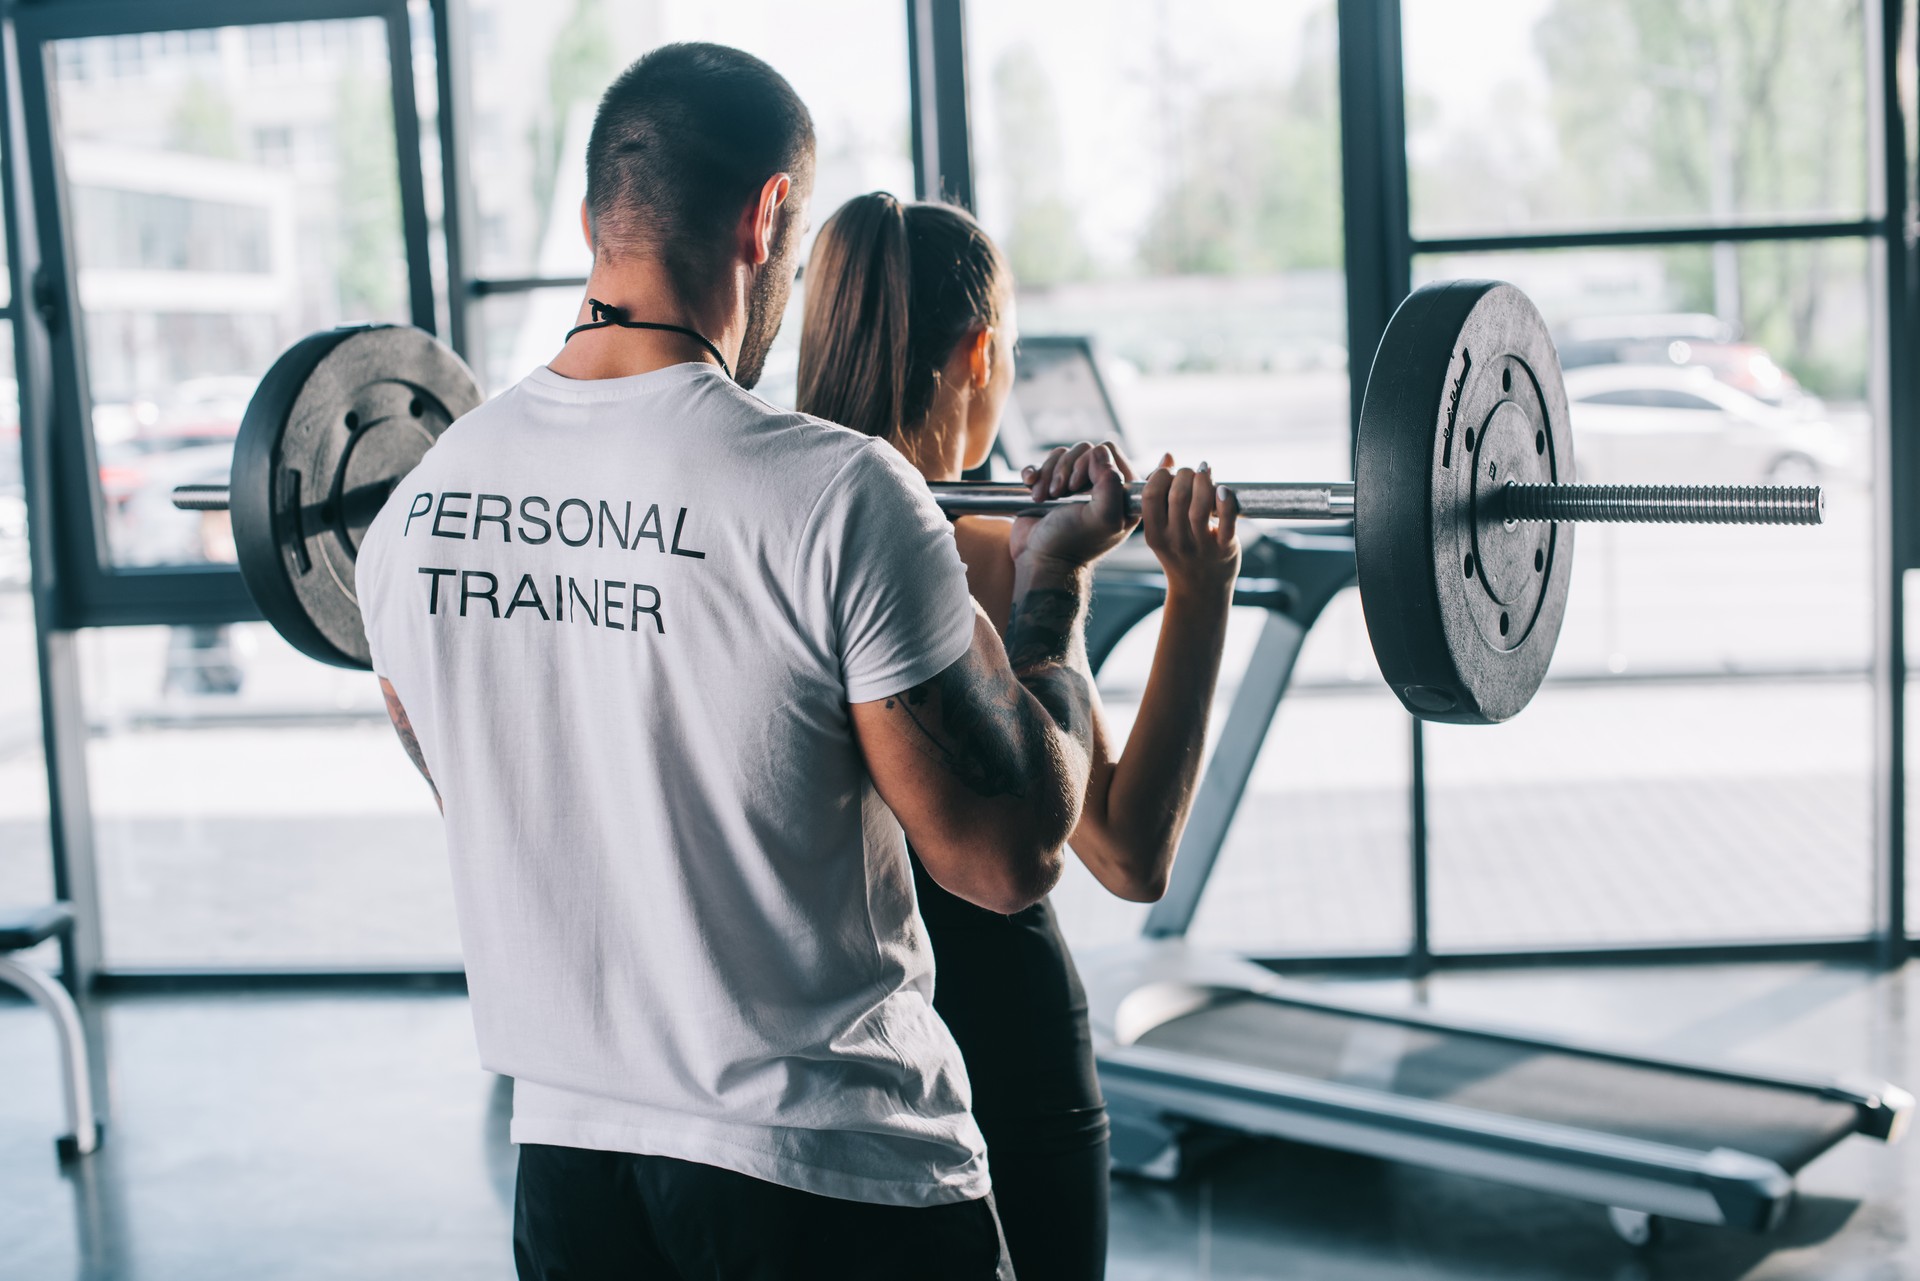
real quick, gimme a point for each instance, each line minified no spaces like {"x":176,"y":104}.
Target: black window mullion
{"x":937,"y":94}
{"x":406,"y":149}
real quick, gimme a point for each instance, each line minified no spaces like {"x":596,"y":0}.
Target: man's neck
{"x":640,"y":291}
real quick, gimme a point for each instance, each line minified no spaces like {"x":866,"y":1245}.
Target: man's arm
{"x":986,"y":764}
{"x":404,"y":728}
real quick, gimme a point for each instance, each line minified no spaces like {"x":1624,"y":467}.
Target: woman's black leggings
{"x":1053,"y":1208}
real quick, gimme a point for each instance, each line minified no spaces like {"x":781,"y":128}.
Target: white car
{"x":1666,"y":425}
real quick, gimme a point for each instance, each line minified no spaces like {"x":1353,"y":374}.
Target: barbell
{"x":1462,"y":500}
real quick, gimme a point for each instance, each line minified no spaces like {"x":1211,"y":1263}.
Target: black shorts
{"x":582,"y":1215}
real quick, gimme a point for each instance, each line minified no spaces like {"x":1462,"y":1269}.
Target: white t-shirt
{"x":626,"y":618}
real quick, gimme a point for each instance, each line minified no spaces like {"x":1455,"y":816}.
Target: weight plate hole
{"x":1539,"y":442}
{"x":1539,"y":560}
{"x":1506,"y":380}
{"x":1469,"y":565}
{"x":1469,"y":440}
{"x":415,"y":408}
{"x":1503,"y":624}
{"x":353,"y":421}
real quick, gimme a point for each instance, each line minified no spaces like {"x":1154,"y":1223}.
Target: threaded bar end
{"x":1668,"y":504}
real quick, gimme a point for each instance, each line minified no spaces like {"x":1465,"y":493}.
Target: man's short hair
{"x":684,"y":138}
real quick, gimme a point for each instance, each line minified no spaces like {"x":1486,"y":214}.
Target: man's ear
{"x":980,"y":356}
{"x":764,"y":229}
{"x":586,"y":224}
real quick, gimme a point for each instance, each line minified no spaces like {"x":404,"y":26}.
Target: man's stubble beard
{"x":766,"y":308}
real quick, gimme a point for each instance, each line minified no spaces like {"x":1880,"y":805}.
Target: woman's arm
{"x":1137,"y":805}
{"x":1137,"y":802}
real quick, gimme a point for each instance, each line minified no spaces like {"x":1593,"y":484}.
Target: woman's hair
{"x":892,"y":288}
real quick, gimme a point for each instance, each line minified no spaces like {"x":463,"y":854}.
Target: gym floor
{"x":302,"y":1135}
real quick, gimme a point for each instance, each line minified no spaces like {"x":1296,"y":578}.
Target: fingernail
{"x":1206,"y":466}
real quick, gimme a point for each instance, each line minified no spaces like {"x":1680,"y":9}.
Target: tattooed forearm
{"x":994,"y":735}
{"x":1044,"y":626}
{"x":1045,"y":646}
{"x":979,"y":732}
{"x":408,"y":739}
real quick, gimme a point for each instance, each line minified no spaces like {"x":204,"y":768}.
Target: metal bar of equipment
{"x":1259,"y":501}
{"x":1333,"y":500}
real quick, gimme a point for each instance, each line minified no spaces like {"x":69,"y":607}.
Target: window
{"x":1536,"y":115}
{"x":1165,"y":181}
{"x":228,"y":204}
{"x":217,"y":218}
{"x":1746,"y":814}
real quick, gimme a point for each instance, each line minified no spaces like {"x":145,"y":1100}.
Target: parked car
{"x":1668,"y":424}
{"x":143,"y":525}
{"x":1686,"y":341}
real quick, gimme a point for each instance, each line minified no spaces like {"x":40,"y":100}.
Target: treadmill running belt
{"x":1788,"y":1126}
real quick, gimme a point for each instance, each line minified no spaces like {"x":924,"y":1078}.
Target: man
{"x":681,"y":667}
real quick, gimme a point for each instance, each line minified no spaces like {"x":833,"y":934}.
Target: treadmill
{"x":1191,"y":1043}
{"x":1194,"y":1045}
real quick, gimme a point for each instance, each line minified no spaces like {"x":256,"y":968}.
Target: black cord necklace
{"x":604,"y":315}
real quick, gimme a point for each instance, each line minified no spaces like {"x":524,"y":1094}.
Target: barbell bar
{"x":1620,"y":504}
{"x":1304,"y":501}
{"x":1462,"y":503}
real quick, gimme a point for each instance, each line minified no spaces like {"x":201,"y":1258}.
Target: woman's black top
{"x":1009,"y":992}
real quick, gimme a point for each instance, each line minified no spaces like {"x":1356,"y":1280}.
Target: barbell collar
{"x":1668,"y":504}
{"x":201,"y":498}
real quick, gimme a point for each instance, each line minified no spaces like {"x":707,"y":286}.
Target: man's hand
{"x":1079,"y":534}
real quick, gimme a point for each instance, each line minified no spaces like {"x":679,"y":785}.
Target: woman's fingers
{"x":1153,"y":507}
{"x":1228,"y":514}
{"x":1179,"y":500}
{"x":1199,"y":511}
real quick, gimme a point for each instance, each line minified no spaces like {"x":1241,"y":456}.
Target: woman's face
{"x":983,"y":420}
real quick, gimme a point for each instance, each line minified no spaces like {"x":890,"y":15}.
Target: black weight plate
{"x":1463,"y":608}
{"x":341,"y":417}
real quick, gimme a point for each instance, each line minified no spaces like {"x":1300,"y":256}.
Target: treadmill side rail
{"x":1721,"y":1186}
{"x":1163,"y":979}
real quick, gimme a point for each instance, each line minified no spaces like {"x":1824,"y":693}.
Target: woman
{"x":908,"y":334}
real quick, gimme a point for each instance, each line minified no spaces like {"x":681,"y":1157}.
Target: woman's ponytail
{"x":853,"y":365}
{"x":892,"y":290}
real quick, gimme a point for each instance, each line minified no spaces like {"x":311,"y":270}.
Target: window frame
{"x":87,"y":589}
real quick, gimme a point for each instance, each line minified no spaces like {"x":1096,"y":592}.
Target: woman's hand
{"x":1190,"y":525}
{"x":1079,"y":533}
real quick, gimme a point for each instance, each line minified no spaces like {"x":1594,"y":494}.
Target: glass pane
{"x":1168,"y":184}
{"x":1697,"y":766}
{"x":538,"y":73}
{"x":252,"y":807}
{"x":26,"y":867}
{"x":1531,"y":115}
{"x":230,"y":190}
